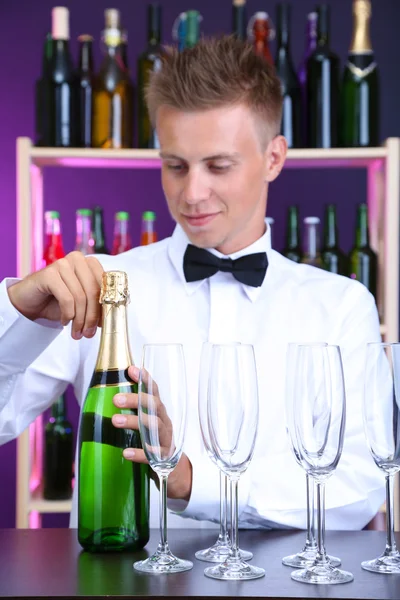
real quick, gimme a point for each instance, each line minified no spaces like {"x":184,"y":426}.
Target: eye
{"x":176,"y":168}
{"x":219,"y":168}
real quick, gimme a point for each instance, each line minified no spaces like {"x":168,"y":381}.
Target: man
{"x":217,"y":110}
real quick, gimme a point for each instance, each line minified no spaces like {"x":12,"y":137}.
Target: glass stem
{"x":223,"y":537}
{"x":235,"y":519}
{"x":311,"y":543}
{"x":321,"y":556}
{"x":163,"y":545}
{"x":391,"y":547}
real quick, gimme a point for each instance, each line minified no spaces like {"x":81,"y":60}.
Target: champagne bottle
{"x":100,"y":246}
{"x":60,"y":87}
{"x":312,"y":254}
{"x":122,"y":239}
{"x":260,"y":32}
{"x":323,"y":89}
{"x":113,"y":498}
{"x":53,"y":246}
{"x":292,"y":249}
{"x":149,"y":61}
{"x":84,"y":237}
{"x":291,"y":91}
{"x":363,"y":260}
{"x":360,"y":88}
{"x":58,"y":454}
{"x":42,"y":96}
{"x":148,"y":234}
{"x":85,"y":76}
{"x":112,"y":92}
{"x":334,"y":259}
{"x":311,"y":44}
{"x":239,"y":19}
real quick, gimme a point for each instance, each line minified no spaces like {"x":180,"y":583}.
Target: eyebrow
{"x":221,"y":156}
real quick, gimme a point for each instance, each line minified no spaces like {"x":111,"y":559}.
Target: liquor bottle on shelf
{"x":323,"y":88}
{"x":311,"y":44}
{"x":193,"y":20}
{"x":112,"y":92}
{"x":271,"y":222}
{"x":84,"y":236}
{"x":334,"y":259}
{"x":363,"y":260}
{"x":113,"y":498}
{"x":85,"y":76}
{"x":179,"y":31}
{"x":239,"y":19}
{"x":124,"y":48}
{"x":311,"y":248}
{"x":53,"y":245}
{"x":59,"y":93}
{"x":100,"y":246}
{"x":149,"y":60}
{"x":58,"y":454}
{"x":291,"y":91}
{"x":148,"y":234}
{"x":260,"y":32}
{"x":122,"y":239}
{"x":292,"y":249}
{"x":42,"y":122}
{"x":360,"y":87}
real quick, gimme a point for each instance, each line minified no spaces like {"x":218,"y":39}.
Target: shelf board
{"x":39,"y":504}
{"x":137,"y":158}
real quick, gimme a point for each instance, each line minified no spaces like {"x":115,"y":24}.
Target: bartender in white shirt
{"x":217,"y":109}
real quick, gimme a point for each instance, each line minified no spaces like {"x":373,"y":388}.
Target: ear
{"x":275,"y":156}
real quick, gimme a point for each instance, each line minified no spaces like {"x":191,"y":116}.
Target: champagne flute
{"x":162,"y":421}
{"x":317,"y":429}
{"x":381,"y":423}
{"x":232,"y":421}
{"x":309,"y":552}
{"x":219,"y":551}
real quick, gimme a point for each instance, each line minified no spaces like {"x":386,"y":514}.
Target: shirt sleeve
{"x":36,"y":365}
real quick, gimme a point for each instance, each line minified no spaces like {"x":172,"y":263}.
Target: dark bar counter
{"x":49,"y":563}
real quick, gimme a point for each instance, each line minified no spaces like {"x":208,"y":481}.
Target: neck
{"x":242,"y":240}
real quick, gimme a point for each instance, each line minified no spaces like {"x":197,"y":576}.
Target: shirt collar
{"x":177,"y":247}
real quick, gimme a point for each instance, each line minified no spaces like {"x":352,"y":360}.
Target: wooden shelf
{"x":38,"y":504}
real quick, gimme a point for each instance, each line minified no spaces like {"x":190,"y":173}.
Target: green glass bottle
{"x":312,"y":254}
{"x":334,"y":259}
{"x":113,"y":499}
{"x":100,"y":246}
{"x":363,"y":260}
{"x":58,"y":454}
{"x":148,"y":62}
{"x":193,"y":19}
{"x":239,"y":20}
{"x":292,"y":249}
{"x":359,"y":106}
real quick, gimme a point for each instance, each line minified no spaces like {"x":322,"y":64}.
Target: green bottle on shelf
{"x":58,"y":454}
{"x":193,"y":19}
{"x":148,"y":62}
{"x":312,"y":254}
{"x":363,"y":260}
{"x":360,"y":87}
{"x":334,"y":259}
{"x":113,"y":498}
{"x":292,"y":249}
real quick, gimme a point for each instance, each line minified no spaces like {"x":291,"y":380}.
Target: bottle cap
{"x":149,"y":215}
{"x":112,"y":18}
{"x":84,"y":212}
{"x":60,"y":23}
{"x":51,"y":214}
{"x":114,"y":288}
{"x":85,"y":38}
{"x":362,"y":8}
{"x":312,"y":221}
{"x":122,"y":216}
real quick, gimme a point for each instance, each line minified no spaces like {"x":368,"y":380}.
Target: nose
{"x":196,"y":187}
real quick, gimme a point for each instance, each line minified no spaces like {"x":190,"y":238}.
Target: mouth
{"x":199,"y":220}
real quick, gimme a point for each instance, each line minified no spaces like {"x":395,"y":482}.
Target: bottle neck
{"x":59,"y":410}
{"x":330,"y":233}
{"x":292,"y":234}
{"x":311,"y":245}
{"x":114,"y":353}
{"x":361,"y":42}
{"x":47,"y":53}
{"x":86,"y":58}
{"x":121,"y":229}
{"x":239,"y":21}
{"x":323,"y":25}
{"x":53,"y":233}
{"x":84,"y":238}
{"x":98,"y":230}
{"x":362,"y":233}
{"x":283,"y":27}
{"x":311,"y":36}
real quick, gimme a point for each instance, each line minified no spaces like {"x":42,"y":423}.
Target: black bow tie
{"x":200,"y":264}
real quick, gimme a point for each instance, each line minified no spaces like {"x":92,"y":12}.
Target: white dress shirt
{"x":296,"y":303}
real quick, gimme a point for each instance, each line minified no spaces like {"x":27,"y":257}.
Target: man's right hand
{"x":68,"y":290}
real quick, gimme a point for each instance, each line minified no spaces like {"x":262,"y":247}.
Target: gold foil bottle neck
{"x":362,"y":8}
{"x":361,"y":43}
{"x":114,"y":288}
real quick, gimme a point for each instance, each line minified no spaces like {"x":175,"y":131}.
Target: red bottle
{"x":260,"y":32}
{"x":122,"y":239}
{"x":53,"y":249}
{"x":148,"y":235}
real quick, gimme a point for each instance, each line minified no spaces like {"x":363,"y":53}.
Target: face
{"x":215,"y":174}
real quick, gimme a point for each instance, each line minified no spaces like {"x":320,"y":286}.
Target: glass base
{"x":387,"y":563}
{"x":322,"y":575}
{"x":307,"y":559}
{"x":162,"y":563}
{"x":218,"y":553}
{"x":234,"y":569}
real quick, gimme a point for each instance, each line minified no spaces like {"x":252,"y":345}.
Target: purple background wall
{"x":24,"y":24}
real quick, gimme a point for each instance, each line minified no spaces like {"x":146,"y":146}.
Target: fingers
{"x":135,"y":455}
{"x":66,"y":272}
{"x":86,"y":276}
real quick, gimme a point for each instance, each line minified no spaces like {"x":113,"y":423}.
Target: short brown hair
{"x":218,"y":71}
